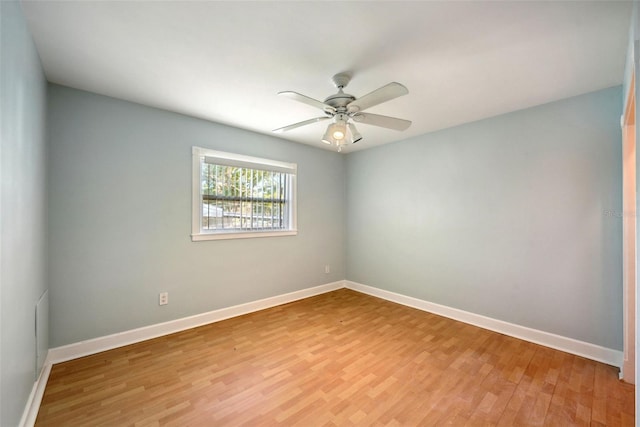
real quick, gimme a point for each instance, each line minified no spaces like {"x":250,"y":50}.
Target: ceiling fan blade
{"x":378,"y":96}
{"x":299,"y":124}
{"x":309,"y":101}
{"x":382,"y":121}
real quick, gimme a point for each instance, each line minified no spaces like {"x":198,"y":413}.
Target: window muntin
{"x":236,"y":196}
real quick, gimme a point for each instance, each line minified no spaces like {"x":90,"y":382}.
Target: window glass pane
{"x":239,"y":198}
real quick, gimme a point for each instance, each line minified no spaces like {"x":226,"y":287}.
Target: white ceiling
{"x":225,"y":61}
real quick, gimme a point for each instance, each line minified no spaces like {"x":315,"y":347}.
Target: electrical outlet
{"x":163,"y":298}
{"x":327,"y":269}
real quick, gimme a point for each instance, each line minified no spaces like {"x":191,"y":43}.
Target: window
{"x":236,"y":196}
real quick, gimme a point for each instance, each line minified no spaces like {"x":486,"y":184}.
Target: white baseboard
{"x":569,"y":345}
{"x":97,"y":345}
{"x":35,"y":398}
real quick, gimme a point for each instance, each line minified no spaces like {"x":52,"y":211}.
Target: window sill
{"x":241,"y":235}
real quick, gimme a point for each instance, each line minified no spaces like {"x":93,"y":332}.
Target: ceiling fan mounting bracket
{"x":341,"y":80}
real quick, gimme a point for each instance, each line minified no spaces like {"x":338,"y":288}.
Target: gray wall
{"x":22,"y":209}
{"x":506,"y":217}
{"x":120,"y":219}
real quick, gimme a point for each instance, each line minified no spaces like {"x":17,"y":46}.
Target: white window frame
{"x":198,"y":158}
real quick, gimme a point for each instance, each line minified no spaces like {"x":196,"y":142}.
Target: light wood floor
{"x":338,"y":359}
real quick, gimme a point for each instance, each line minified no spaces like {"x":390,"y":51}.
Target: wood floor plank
{"x":337,"y":359}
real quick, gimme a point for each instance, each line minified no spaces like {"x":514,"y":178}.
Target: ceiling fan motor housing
{"x":340,"y":100}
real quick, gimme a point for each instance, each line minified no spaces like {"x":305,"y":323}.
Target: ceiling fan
{"x":344,"y":109}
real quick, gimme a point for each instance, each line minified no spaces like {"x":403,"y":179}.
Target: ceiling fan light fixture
{"x":338,"y":129}
{"x":355,"y":135}
{"x":328,"y":138}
